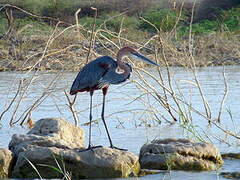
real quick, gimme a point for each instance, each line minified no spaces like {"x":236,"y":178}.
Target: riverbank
{"x":34,"y":44}
{"x":69,"y":53}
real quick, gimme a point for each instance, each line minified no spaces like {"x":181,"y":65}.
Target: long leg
{"x":103,"y":109}
{"x":90,"y":147}
{"x":90,"y":118}
{"x":104,"y":122}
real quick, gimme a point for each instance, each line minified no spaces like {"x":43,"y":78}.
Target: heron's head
{"x":129,"y":51}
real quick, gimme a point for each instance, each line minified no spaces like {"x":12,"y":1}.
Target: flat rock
{"x":48,"y":132}
{"x":6,"y":160}
{"x":99,"y":163}
{"x":179,"y":154}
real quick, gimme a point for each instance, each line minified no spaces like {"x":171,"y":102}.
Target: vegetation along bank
{"x":60,"y":35}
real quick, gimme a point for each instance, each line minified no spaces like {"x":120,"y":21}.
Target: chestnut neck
{"x":121,"y":53}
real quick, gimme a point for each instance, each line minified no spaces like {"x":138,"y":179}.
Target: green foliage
{"x":163,"y":19}
{"x":34,"y":26}
{"x":202,"y":27}
{"x":231,"y":18}
{"x":87,"y":22}
{"x":228,"y":20}
{"x":114,"y":21}
{"x":52,"y":8}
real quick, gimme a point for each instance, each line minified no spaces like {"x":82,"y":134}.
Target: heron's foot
{"x":91,"y":148}
{"x":114,"y":147}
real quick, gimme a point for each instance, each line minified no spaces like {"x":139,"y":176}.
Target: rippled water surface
{"x":127,"y":111}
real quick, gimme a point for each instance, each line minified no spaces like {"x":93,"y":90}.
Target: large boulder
{"x":60,"y":129}
{"x":49,"y":132}
{"x":6,"y":159}
{"x":54,"y":148}
{"x":179,"y":154}
{"x":99,"y":163}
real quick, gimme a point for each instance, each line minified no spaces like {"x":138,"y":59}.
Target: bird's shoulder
{"x":104,"y":62}
{"x":97,"y":68}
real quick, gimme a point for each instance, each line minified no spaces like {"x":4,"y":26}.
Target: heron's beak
{"x":139,"y":56}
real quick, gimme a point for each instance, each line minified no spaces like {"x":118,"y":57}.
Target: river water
{"x":129,"y":110}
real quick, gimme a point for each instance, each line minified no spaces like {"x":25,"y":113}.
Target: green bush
{"x":202,"y":27}
{"x":60,"y":9}
{"x":231,"y":18}
{"x":114,"y":21}
{"x":163,"y":19}
{"x":36,"y":26}
{"x":87,"y":22}
{"x":111,"y":21}
{"x":34,"y":6}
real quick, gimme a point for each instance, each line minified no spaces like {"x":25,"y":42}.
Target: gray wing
{"x":91,"y":74}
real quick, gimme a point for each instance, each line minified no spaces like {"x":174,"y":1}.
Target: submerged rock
{"x":51,"y":150}
{"x":6,"y":159}
{"x":230,"y":175}
{"x":231,"y":156}
{"x":180,"y":154}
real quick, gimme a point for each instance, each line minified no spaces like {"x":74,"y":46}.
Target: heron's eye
{"x":119,"y":70}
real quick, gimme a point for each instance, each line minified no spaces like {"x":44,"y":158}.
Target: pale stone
{"x":181,"y":154}
{"x":55,"y":143}
{"x":6,"y":160}
{"x":61,"y":129}
{"x":48,"y":132}
{"x":99,"y":163}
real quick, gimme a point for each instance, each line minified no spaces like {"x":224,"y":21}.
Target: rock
{"x":145,"y":172}
{"x":231,"y":156}
{"x":179,"y":154}
{"x":52,"y":148}
{"x":57,"y":127}
{"x":49,"y":132}
{"x":230,"y":175}
{"x":6,"y":160}
{"x":99,"y":163}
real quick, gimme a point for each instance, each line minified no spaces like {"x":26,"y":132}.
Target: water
{"x":127,"y":111}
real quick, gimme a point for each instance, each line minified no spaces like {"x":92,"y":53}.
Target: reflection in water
{"x":127,"y":109}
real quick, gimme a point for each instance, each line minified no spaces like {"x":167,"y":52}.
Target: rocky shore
{"x":54,"y":148}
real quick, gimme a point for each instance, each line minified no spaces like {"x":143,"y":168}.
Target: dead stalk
{"x":12,"y":101}
{"x":72,"y":108}
{"x":47,"y":91}
{"x":18,"y":103}
{"x":224,"y":95}
{"x":92,"y":38}
{"x":193,"y":67}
